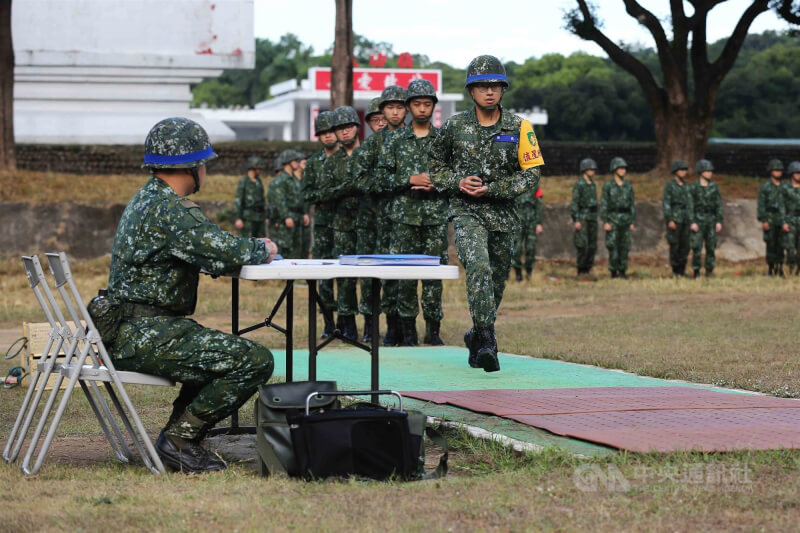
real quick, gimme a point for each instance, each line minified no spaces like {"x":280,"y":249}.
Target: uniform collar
{"x":408,"y":131}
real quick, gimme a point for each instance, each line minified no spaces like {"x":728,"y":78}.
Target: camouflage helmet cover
{"x":704,"y":165}
{"x":344,"y":115}
{"x":288,"y":155}
{"x":616,"y":163}
{"x":678,"y":164}
{"x":323,"y":122}
{"x":486,"y":69}
{"x":419,"y":89}
{"x":374,"y":107}
{"x":588,"y":164}
{"x":177,"y":142}
{"x":793,"y":168}
{"x":392,"y":93}
{"x":255,"y":162}
{"x":774,"y":164}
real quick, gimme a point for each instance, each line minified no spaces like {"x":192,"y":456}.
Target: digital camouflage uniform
{"x":583,"y":209}
{"x":419,"y":218}
{"x":618,"y":208}
{"x":678,"y":207}
{"x":771,"y":209}
{"x":304,"y":246}
{"x":324,"y":212}
{"x":250,"y":207}
{"x":791,"y":203}
{"x":161,"y":244}
{"x":707,"y":203}
{"x":529,"y":209}
{"x":484,"y":227}
{"x":285,"y":200}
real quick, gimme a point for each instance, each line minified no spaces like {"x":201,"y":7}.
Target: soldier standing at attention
{"x":772,"y":215}
{"x":367,"y":219}
{"x":418,"y":213}
{"x":618,"y":212}
{"x":339,"y":174}
{"x":286,"y":206}
{"x":305,"y":228}
{"x":484,"y":158}
{"x":250,"y":206}
{"x":529,"y":209}
{"x":707,"y":202}
{"x":162,"y":242}
{"x":679,"y":216}
{"x":583,"y":210}
{"x":324,"y":209}
{"x":791,"y":201}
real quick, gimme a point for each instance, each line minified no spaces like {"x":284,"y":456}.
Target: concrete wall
{"x":88,"y":231}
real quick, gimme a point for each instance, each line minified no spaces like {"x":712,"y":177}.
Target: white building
{"x":103,"y":71}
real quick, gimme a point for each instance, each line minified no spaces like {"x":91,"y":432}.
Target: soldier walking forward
{"x":250,"y":205}
{"x":484,"y":158}
{"x":772,"y":215}
{"x":679,"y":216}
{"x":707,"y":202}
{"x":162,"y":242}
{"x":583,"y":210}
{"x":791,"y":201}
{"x":618,"y":213}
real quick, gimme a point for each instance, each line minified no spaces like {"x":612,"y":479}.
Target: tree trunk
{"x":681,"y":132}
{"x":342,"y":61}
{"x":7,"y":157}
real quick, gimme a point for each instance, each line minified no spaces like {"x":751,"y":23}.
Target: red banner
{"x":376,"y":79}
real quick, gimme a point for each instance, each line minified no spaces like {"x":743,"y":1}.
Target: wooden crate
{"x":38,"y":333}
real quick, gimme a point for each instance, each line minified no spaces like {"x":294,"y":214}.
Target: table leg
{"x":312,"y":329}
{"x":235,"y":331}
{"x":376,"y":337}
{"x":289,"y":329}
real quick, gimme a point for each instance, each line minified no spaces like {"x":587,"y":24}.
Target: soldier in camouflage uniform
{"x":367,"y":218}
{"x":707,"y":204}
{"x":250,"y":206}
{"x":483,"y":159}
{"x":162,"y":242}
{"x":324,"y":209}
{"x":772,"y":215}
{"x":286,"y":207}
{"x":583,"y":210}
{"x":339,"y":186}
{"x":618,"y":213}
{"x":529,"y":209}
{"x":304,"y":248}
{"x":418,"y":212}
{"x":679,"y":216}
{"x":791,"y":202}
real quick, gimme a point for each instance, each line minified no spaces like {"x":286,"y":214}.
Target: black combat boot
{"x":367,"y":338}
{"x":779,"y":270}
{"x":186,"y":456}
{"x":709,"y":272}
{"x":771,"y":270}
{"x":349,"y":329}
{"x":392,"y":337}
{"x":328,"y":328}
{"x":409,"y":327}
{"x":432,"y":333}
{"x":614,"y":274}
{"x":528,"y":273}
{"x":472,"y":345}
{"x":487,"y":350}
{"x":622,"y":275}
{"x":518,"y":273}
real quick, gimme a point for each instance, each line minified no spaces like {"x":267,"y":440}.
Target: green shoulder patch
{"x":193,"y":209}
{"x":188,"y":204}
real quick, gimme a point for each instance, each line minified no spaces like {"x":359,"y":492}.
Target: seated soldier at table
{"x":162,"y":242}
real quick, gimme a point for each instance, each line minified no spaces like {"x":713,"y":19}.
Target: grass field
{"x":737,"y":329}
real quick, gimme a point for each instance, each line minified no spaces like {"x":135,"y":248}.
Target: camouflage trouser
{"x":253,"y":228}
{"x":323,"y":249}
{"x":367,"y":242}
{"x":486,"y":256}
{"x":679,"y":242}
{"x":791,"y":242}
{"x":384,"y":240}
{"x":618,"y":243}
{"x":707,"y":235}
{"x":218,"y":371}
{"x":586,"y":244}
{"x":774,"y":238}
{"x":427,"y":240}
{"x":304,"y":241}
{"x":287,"y":239}
{"x":525,"y":242}
{"x":345,"y":243}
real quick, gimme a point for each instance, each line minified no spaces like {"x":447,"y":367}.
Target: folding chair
{"x":75,"y":371}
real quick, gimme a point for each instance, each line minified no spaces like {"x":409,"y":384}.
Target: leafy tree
{"x":7,"y":156}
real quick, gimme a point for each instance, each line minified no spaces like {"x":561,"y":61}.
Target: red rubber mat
{"x":643,"y":419}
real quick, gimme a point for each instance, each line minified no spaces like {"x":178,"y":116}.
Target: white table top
{"x":305,"y":269}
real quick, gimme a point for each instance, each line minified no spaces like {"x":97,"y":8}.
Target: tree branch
{"x":725,"y":62}
{"x":788,"y":11}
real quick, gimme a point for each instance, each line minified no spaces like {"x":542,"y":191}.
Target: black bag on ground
{"x":273,"y":404}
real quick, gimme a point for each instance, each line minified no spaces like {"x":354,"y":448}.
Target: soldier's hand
{"x":718,"y":227}
{"x":470,"y":183}
{"x":633,"y":228}
{"x":238,"y":224}
{"x":786,"y":228}
{"x":672,"y":225}
{"x":607,"y":226}
{"x":695,"y":228}
{"x":578,"y":226}
{"x":306,"y":220}
{"x":271,"y":247}
{"x":765,"y":225}
{"x":420,"y":181}
{"x":539,"y":229}
{"x":289,"y":222}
